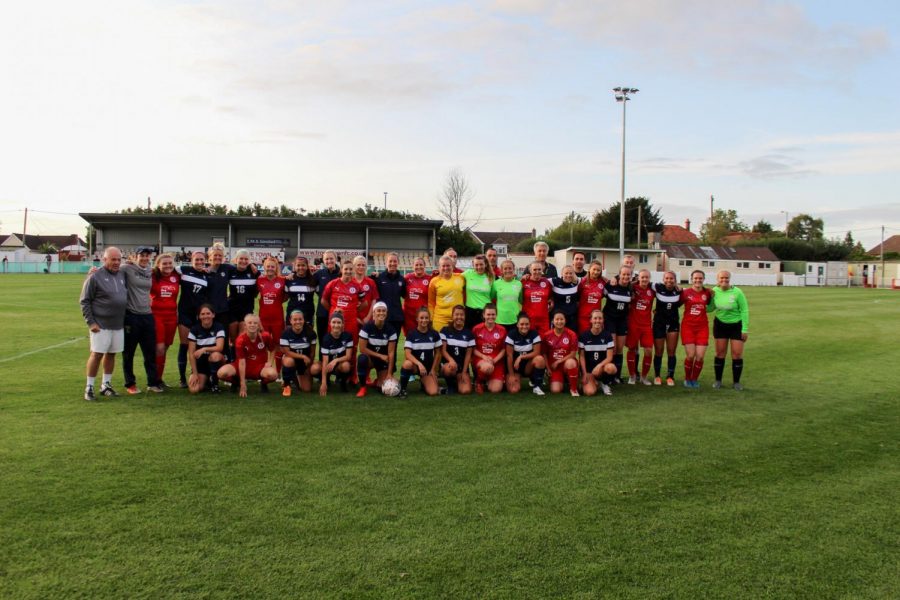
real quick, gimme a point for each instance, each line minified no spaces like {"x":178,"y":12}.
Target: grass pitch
{"x":789,"y":489}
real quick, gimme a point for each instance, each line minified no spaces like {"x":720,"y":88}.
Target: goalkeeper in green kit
{"x":730,"y":327}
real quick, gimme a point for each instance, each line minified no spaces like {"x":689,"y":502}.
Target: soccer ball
{"x":390,"y":387}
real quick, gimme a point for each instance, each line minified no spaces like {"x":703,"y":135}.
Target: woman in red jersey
{"x":590,"y":294}
{"x":695,"y":328}
{"x":368,"y":290}
{"x":415,"y":294}
{"x":343,"y":295}
{"x":272,"y":296}
{"x":254,"y":358}
{"x":561,"y":348}
{"x":640,"y":329}
{"x":537,"y":297}
{"x":489,"y":355}
{"x":164,"y":306}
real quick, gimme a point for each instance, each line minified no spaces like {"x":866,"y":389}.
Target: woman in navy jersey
{"x":666,"y":326}
{"x":615,"y":312}
{"x":458,"y":342}
{"x":218,"y":275}
{"x":301,"y":288}
{"x":323,"y":276}
{"x":565,"y":296}
{"x":377,"y":349}
{"x":391,"y":288}
{"x":194,"y":294}
{"x":596,"y":348}
{"x":422,"y":355}
{"x":298,"y":354}
{"x":335,"y":349}
{"x":524,"y":357}
{"x":206,"y":348}
{"x":241,"y":293}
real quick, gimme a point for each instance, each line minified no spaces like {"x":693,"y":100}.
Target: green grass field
{"x":789,"y":489}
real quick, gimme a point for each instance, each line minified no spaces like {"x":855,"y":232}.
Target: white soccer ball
{"x":390,"y":387}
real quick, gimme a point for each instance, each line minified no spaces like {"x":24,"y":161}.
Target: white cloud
{"x":739,"y":39}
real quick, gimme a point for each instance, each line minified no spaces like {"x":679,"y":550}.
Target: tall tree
{"x":721,"y":223}
{"x":575,"y":230}
{"x":608,"y":219}
{"x":763,"y":227}
{"x":455,"y":199}
{"x":848,"y":240}
{"x":805,"y":227}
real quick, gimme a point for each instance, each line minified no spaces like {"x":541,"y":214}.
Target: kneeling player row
{"x":487,"y":357}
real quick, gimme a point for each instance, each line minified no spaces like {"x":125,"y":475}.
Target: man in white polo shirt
{"x":103,"y":301}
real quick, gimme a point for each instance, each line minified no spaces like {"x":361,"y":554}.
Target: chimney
{"x":687,"y":224}
{"x":533,"y":232}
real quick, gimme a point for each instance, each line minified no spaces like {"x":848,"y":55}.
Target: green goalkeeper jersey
{"x":731,"y":306}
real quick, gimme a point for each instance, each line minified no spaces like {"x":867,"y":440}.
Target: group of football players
{"x":482,"y":329}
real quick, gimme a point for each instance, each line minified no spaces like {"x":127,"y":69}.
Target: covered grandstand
{"x":284,"y":237}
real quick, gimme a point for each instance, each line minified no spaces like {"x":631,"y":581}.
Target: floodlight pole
{"x":385,"y":201}
{"x":622,"y":94}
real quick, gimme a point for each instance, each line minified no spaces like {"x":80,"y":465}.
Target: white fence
{"x":744,"y":279}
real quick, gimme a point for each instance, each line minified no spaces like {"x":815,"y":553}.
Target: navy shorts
{"x":616,"y":326}
{"x":661,"y":328}
{"x":237,"y":312}
{"x":186,"y":319}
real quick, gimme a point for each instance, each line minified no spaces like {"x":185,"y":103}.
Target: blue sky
{"x":769,"y":106}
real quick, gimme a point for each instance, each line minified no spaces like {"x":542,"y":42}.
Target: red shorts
{"x":409,"y":323}
{"x":274,"y":325}
{"x":558,"y":375}
{"x":695,"y":333}
{"x":639,"y":336}
{"x":254,"y":370}
{"x":539,"y":323}
{"x":584,"y":323}
{"x":499,"y":373}
{"x":166,"y":326}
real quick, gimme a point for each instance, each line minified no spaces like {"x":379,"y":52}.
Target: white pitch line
{"x":30,"y":352}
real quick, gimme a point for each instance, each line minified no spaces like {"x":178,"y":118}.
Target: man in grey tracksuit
{"x":103,"y":301}
{"x":140,"y":328}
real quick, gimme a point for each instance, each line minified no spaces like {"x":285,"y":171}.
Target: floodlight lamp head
{"x":617,"y":89}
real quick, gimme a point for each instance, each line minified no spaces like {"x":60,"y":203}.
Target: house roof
{"x":511,"y":238}
{"x":719,"y":252}
{"x":33,"y":242}
{"x":676,"y":234}
{"x":892,"y":244}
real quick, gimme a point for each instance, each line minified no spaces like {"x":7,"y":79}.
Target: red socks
{"x":632,"y":363}
{"x":698,"y":366}
{"x":572,"y":374}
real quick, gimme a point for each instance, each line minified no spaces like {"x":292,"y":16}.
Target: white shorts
{"x":108,"y":341}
